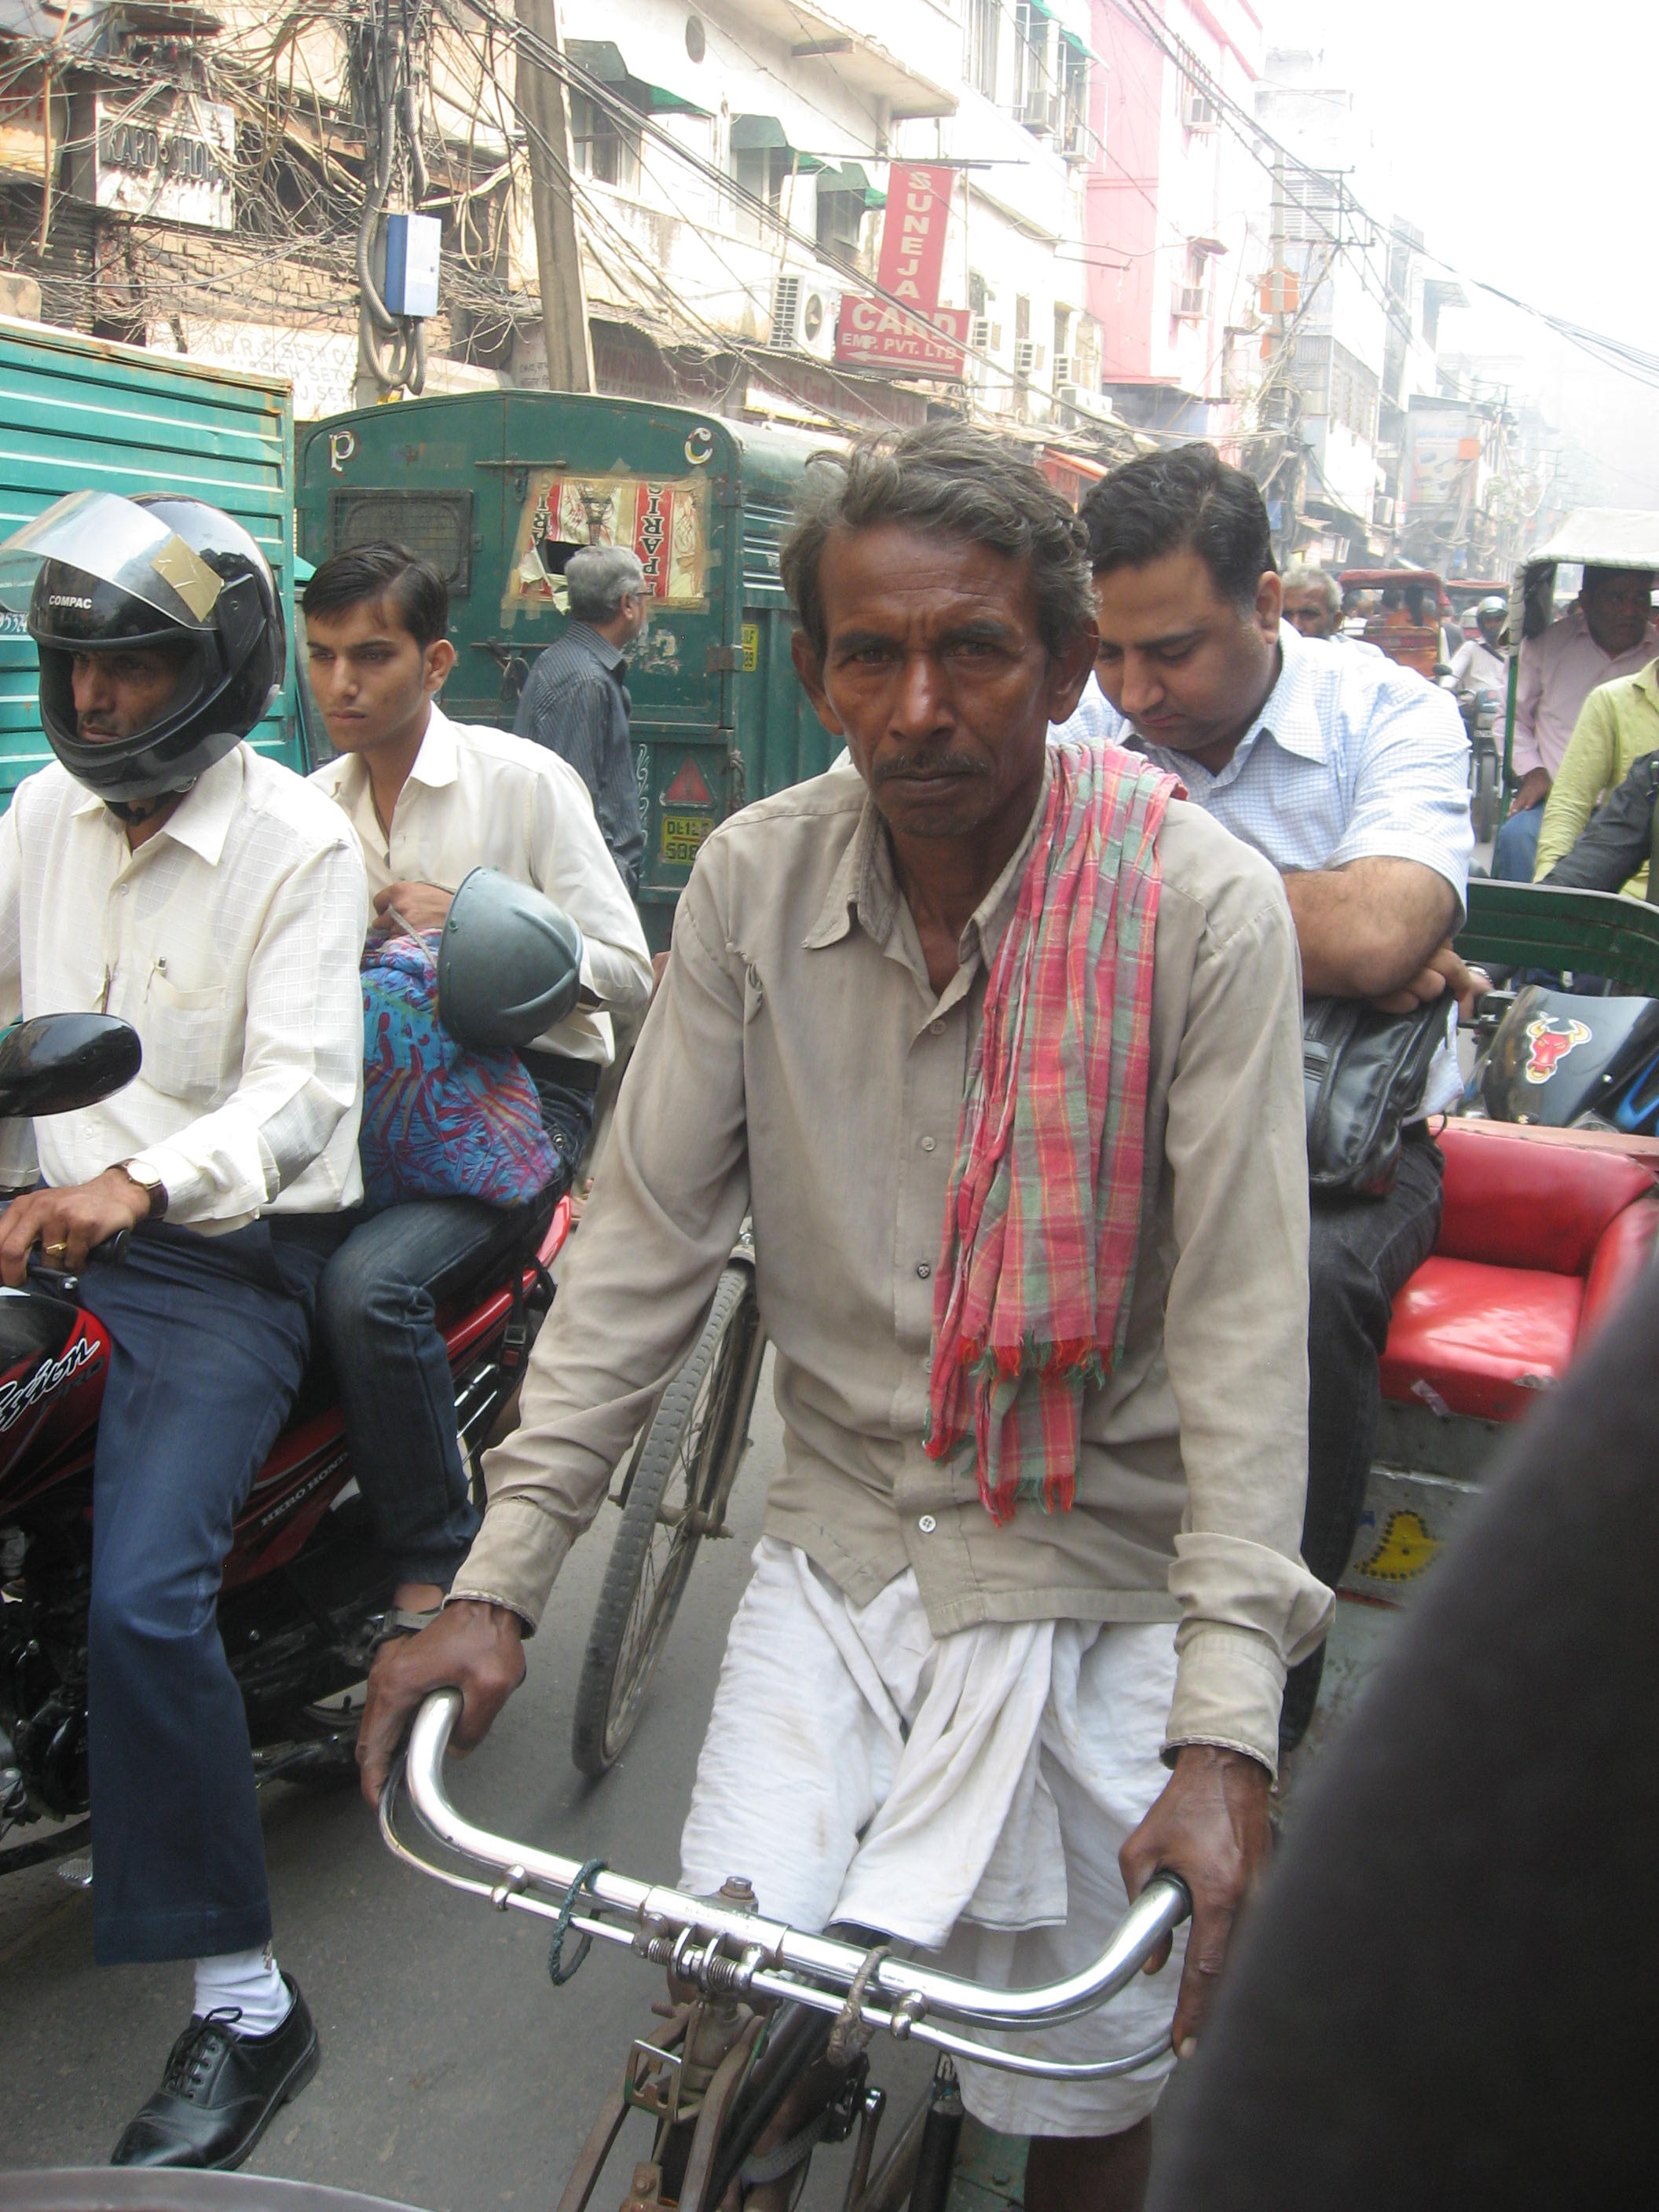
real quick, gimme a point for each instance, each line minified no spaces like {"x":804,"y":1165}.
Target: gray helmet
{"x":509,"y":963}
{"x":1493,"y":608}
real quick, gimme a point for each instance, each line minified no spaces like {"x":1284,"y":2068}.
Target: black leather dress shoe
{"x":221,"y":2092}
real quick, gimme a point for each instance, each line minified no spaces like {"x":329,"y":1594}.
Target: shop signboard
{"x":168,"y":155}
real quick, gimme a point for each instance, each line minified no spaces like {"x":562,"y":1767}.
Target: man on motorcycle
{"x":1044,"y":1398}
{"x":1480,"y":664}
{"x":1351,"y":776}
{"x":165,"y":871}
{"x":429,"y":799}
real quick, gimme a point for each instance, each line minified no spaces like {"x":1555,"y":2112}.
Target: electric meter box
{"x":411,"y":265}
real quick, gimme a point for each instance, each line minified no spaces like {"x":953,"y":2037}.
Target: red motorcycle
{"x":303,"y":1588}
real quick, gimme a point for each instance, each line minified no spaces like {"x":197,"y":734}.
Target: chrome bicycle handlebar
{"x":722,"y":1947}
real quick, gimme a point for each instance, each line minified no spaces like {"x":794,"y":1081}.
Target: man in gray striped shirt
{"x":576,"y":700}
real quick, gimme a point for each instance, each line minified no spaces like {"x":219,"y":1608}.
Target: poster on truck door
{"x":663,"y":523}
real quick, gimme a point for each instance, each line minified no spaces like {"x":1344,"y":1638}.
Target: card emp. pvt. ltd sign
{"x":871,"y":334}
{"x":169,"y":156}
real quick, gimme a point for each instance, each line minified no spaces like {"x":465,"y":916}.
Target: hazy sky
{"x":1519,"y":137}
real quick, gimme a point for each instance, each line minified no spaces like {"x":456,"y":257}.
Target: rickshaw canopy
{"x":1591,"y":536}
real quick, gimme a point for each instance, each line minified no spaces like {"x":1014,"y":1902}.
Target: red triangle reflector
{"x":687,"y":789}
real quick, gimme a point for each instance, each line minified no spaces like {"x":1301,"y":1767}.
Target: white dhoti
{"x":968,"y":1795}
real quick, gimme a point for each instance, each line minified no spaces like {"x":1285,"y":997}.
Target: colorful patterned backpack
{"x":440,"y":1121}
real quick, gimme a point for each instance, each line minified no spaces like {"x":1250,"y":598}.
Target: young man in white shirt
{"x":163,"y":872}
{"x":430,"y":800}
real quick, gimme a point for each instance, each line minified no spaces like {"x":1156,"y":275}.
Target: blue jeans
{"x":209,"y":1338}
{"x":1515,"y":849}
{"x":377,"y":1316}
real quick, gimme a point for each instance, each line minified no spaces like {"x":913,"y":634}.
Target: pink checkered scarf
{"x":1043,"y":1220}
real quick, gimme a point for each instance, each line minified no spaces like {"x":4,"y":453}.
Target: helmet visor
{"x":116,"y":542}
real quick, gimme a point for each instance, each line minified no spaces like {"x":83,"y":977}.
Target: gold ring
{"x":59,"y":1251}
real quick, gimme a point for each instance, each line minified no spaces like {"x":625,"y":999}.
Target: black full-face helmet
{"x":100,"y":574}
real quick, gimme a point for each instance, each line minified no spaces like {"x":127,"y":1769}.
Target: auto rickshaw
{"x":1409,"y":627}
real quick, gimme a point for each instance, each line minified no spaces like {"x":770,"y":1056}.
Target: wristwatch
{"x":150,"y":1184}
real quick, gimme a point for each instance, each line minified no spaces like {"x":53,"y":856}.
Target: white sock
{"x":246,"y":1982}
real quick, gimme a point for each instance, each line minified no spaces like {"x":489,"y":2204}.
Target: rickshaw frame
{"x":1590,"y":538}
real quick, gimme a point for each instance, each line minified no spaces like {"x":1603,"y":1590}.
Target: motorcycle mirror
{"x":56,"y":1063}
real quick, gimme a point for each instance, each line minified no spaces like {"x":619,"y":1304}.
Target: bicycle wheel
{"x":676,"y":1489}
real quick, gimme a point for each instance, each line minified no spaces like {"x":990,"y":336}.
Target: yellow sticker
{"x":1405,"y":1549}
{"x":182,"y":567}
{"x":751,"y":647}
{"x":682,"y":834}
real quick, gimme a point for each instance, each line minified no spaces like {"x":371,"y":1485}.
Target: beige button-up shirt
{"x":477,"y":798}
{"x":798,"y":1064}
{"x":230,"y":940}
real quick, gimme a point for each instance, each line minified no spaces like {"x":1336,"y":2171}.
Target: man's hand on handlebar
{"x":476,"y":1648}
{"x":65,"y":1224}
{"x":1210,"y":1827}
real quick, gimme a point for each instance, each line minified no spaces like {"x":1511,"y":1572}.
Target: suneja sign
{"x":168,"y":155}
{"x":871,"y":334}
{"x":912,"y":233}
{"x":930,"y":340}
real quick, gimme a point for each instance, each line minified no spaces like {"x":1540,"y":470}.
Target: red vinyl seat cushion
{"x":1514,"y":1202}
{"x":1624,"y":1252}
{"x":1470,"y":1338}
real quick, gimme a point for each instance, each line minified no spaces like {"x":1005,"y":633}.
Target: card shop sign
{"x":172,"y":160}
{"x":871,"y":334}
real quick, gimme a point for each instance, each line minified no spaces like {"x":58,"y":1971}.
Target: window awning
{"x":764,"y":134}
{"x":602,"y":59}
{"x":852,"y":179}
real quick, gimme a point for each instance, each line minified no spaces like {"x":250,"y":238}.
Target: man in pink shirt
{"x":1609,"y":632}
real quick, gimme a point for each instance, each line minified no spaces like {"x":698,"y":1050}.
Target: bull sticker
{"x":17,"y":1398}
{"x":1547,"y":1046}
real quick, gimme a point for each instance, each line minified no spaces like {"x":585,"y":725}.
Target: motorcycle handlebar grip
{"x":113,"y":1250}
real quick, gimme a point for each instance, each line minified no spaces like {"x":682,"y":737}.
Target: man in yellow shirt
{"x":1618,"y":723}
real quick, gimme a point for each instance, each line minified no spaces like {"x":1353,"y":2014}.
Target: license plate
{"x":682,"y":834}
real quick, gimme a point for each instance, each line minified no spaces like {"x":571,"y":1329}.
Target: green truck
{"x":498,"y":488}
{"x":76,"y":413}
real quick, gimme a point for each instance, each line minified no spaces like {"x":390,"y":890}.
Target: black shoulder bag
{"x":1364,"y":1072}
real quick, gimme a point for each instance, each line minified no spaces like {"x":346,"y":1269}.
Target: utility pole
{"x":539,"y":97}
{"x":1276,"y":410}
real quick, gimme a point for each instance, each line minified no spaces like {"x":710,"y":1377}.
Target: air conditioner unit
{"x":786,"y":312}
{"x":1068,"y":395}
{"x":1383,"y":512}
{"x":1024,"y":357}
{"x":1198,"y":111}
{"x":803,"y":315}
{"x":1062,"y":371}
{"x":1192,"y":302}
{"x":979,"y":334}
{"x":1035,"y":104}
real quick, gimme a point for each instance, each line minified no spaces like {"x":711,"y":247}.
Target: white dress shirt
{"x":1559,"y":672}
{"x":1351,"y":757}
{"x":477,"y":798}
{"x":1476,"y":667}
{"x":230,"y":940}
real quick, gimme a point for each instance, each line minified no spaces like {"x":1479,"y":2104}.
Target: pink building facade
{"x":1176,"y":212}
